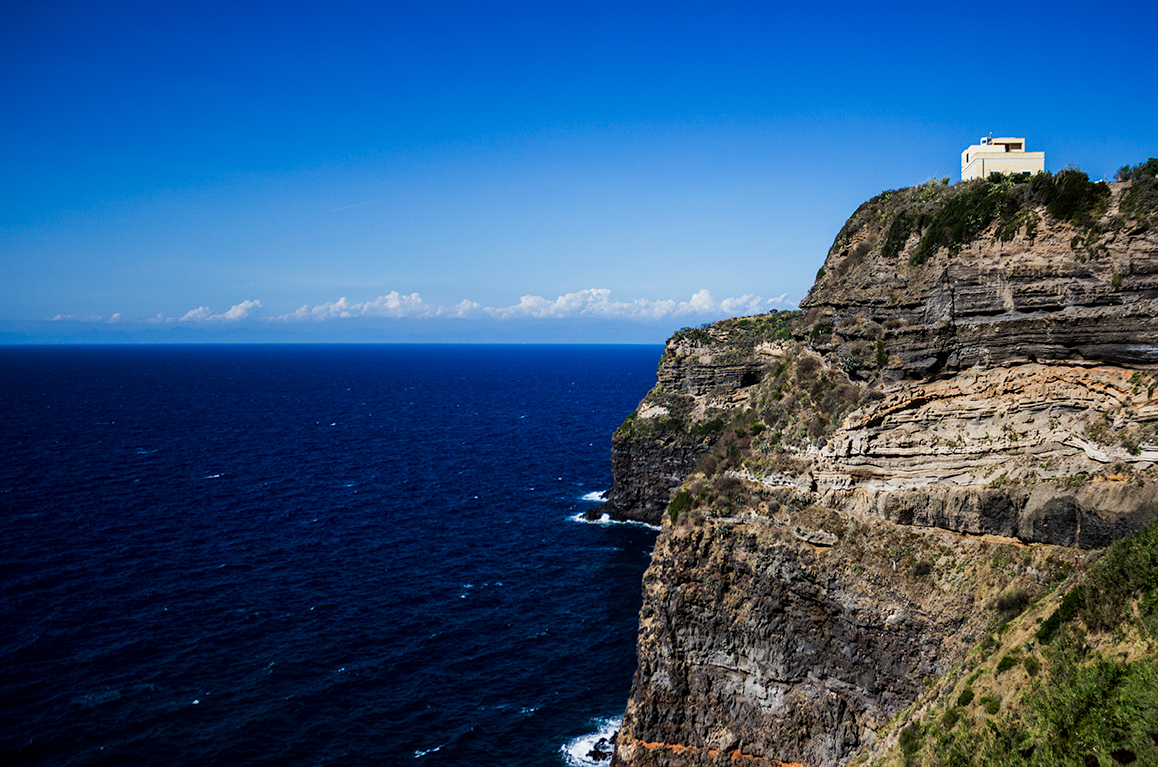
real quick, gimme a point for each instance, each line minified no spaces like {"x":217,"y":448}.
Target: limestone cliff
{"x":852,"y":494}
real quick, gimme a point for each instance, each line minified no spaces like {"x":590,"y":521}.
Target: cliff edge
{"x":854,"y":494}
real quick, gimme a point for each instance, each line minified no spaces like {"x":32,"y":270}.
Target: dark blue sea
{"x":313,"y":555}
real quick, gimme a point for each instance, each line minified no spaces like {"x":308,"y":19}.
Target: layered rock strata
{"x":849,"y":496}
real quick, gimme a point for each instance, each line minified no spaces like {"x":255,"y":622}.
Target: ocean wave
{"x":595,"y":496}
{"x":605,"y":520}
{"x":579,"y":751}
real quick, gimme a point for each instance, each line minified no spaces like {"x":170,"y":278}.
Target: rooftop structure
{"x":999,"y":155}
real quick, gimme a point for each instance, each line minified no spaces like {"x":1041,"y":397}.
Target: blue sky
{"x":503,"y":171}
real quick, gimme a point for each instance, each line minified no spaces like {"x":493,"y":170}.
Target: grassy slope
{"x":1073,"y":680}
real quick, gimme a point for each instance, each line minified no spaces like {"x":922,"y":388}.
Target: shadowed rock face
{"x":647,"y":470}
{"x":927,"y":437}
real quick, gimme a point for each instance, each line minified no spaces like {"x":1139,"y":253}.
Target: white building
{"x":1000,"y":155}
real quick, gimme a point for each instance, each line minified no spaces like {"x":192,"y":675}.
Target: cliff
{"x":853,"y":495}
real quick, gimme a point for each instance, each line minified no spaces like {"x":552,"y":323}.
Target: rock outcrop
{"x":850,"y":495}
{"x":648,"y":468}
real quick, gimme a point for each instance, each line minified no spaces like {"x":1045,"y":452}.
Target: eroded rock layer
{"x":851,"y":494}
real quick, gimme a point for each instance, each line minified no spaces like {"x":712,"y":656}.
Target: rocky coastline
{"x":852,"y":494}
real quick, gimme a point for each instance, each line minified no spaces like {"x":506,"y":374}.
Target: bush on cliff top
{"x":952,"y":217}
{"x":1068,"y":195}
{"x":1148,"y":169}
{"x":1141,"y":202}
{"x":740,"y":333}
{"x":963,"y":218}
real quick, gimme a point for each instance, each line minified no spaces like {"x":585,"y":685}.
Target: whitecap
{"x":213,"y":476}
{"x":419,"y":754}
{"x":605,"y":520}
{"x":575,"y":752}
{"x":595,"y":496}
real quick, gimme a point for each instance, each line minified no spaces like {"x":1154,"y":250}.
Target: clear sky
{"x":445,"y":171}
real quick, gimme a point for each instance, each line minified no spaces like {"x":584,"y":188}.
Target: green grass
{"x":1083,"y":708}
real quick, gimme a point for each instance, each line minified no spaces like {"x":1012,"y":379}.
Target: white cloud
{"x":203,"y":314}
{"x":590,"y":303}
{"x":114,"y":319}
{"x":393,"y":304}
{"x":463,"y":308}
{"x":236,"y":312}
{"x":597,"y":302}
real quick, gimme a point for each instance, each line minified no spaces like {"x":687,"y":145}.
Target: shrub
{"x":1126,"y":572}
{"x":922,"y":568}
{"x":952,"y":716}
{"x":1006,"y":663}
{"x":680,"y":502}
{"x":964,"y":217}
{"x":898,"y":234}
{"x":1065,"y":612}
{"x":992,"y":704}
{"x":910,"y":740}
{"x":966,"y":697}
{"x":1011,"y":602}
{"x":1032,"y":665}
{"x":1148,"y":169}
{"x":1069,"y":195}
{"x":1075,"y":196}
{"x":712,"y":426}
{"x":1141,"y":202}
{"x":1031,"y":221}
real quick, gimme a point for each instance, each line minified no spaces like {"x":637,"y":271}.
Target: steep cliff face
{"x":1026,"y":286}
{"x":702,"y":378}
{"x":851,"y":495}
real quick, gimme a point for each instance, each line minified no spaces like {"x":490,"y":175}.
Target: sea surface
{"x":313,"y":555}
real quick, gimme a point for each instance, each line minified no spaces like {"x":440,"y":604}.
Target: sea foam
{"x":577,"y":752}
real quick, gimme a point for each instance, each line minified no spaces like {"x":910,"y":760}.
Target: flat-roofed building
{"x":1000,"y":155}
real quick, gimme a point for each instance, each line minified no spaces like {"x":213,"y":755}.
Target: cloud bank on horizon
{"x":595,"y":303}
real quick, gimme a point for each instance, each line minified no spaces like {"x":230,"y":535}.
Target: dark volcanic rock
{"x":647,"y":469}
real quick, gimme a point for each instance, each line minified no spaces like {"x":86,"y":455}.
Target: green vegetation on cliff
{"x":741,"y":334}
{"x":1141,"y":203}
{"x":732,"y":341}
{"x":951,"y":217}
{"x":1087,"y":691}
